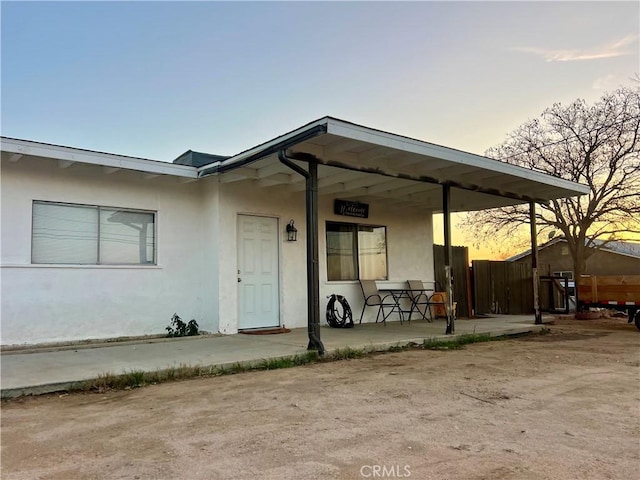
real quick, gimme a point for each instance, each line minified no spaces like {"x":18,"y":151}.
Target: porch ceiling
{"x":371,"y":166}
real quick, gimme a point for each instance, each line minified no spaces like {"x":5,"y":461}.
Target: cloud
{"x":607,"y":82}
{"x":615,"y":49}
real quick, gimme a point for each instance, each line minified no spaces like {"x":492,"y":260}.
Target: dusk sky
{"x":153,"y":79}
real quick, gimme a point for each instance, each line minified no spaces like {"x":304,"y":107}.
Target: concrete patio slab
{"x":37,"y":372}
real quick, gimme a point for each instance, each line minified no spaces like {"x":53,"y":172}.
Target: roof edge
{"x":280,"y":142}
{"x":392,"y":140}
{"x":92,"y":157}
{"x":555,"y":240}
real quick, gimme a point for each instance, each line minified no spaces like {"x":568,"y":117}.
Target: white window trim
{"x":153,"y":264}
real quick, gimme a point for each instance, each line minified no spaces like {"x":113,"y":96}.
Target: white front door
{"x":258,"y":288}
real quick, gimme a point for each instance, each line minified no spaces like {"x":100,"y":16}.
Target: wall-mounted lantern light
{"x":292,"y":231}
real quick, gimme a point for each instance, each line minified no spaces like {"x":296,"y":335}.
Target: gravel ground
{"x":560,"y":406}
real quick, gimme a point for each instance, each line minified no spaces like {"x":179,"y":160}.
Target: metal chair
{"x":420,"y":301}
{"x":372,"y":298}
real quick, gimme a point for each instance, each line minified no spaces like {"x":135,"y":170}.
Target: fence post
{"x":446,"y":206}
{"x":534,"y":263}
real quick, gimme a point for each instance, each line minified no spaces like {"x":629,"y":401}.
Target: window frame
{"x":98,"y":209}
{"x":357,"y":248}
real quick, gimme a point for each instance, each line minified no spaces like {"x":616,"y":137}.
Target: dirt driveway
{"x":563,"y":405}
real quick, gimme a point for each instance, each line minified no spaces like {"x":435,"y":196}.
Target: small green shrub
{"x":177,"y":328}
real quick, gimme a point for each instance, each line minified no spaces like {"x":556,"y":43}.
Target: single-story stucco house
{"x":97,"y":245}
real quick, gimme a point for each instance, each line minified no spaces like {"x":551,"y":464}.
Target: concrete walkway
{"x":36,"y":371}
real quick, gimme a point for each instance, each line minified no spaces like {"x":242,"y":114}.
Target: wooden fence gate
{"x":502,"y":287}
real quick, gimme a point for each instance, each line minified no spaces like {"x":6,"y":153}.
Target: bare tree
{"x":596,"y":145}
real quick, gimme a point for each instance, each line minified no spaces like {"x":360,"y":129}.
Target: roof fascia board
{"x":384,"y":139}
{"x":57,"y":152}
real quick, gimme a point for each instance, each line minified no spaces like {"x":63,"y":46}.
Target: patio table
{"x":413,"y":295}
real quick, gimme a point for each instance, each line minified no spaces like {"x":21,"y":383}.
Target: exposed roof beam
{"x":277,"y":179}
{"x":65,"y":163}
{"x":387,"y":186}
{"x":426,"y":196}
{"x":340,"y":150}
{"x":331,"y":189}
{"x":397,"y":201}
{"x":15,"y":157}
{"x":270,"y":170}
{"x":453,"y":169}
{"x":377,"y":153}
{"x":340,"y":177}
{"x":358,"y":184}
{"x":149,"y":176}
{"x":423,"y":178}
{"x":406,"y":190}
{"x":340,"y":128}
{"x":477,"y":176}
{"x":336,"y":153}
{"x":351,"y":183}
{"x":240,"y":173}
{"x":186,"y":180}
{"x":364,"y":181}
{"x":512,"y":184}
{"x":402,"y":161}
{"x":355,"y":192}
{"x":110,"y":170}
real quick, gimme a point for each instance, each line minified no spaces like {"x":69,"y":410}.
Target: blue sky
{"x":153,"y":79}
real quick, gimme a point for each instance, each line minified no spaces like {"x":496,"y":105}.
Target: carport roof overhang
{"x":369,"y":165}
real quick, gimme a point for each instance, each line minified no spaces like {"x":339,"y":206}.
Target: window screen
{"x":84,"y":234}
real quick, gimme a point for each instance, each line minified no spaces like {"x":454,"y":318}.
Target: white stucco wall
{"x":196,"y":275}
{"x":47,"y":303}
{"x":245,"y":198}
{"x":409,"y":250}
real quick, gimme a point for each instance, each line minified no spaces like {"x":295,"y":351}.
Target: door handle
{"x":239,"y":280}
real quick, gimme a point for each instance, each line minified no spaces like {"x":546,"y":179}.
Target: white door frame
{"x":277,"y":276}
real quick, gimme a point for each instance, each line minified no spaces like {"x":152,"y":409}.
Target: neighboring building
{"x":613,"y":258}
{"x":96,"y":245}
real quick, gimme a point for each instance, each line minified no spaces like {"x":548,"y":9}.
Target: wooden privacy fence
{"x":495,"y":287}
{"x":502,"y":287}
{"x":461,"y":279}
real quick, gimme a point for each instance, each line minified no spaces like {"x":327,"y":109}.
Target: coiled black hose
{"x":339,"y":312}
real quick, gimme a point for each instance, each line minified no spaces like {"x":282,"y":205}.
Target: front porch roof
{"x":369,"y":165}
